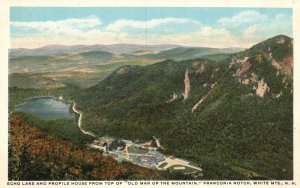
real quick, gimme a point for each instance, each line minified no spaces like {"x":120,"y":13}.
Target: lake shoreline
{"x":46,"y":107}
{"x":43,"y":97}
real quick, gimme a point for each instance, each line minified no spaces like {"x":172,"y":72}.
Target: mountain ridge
{"x":112,"y":48}
{"x":58,"y":49}
{"x":234,"y":104}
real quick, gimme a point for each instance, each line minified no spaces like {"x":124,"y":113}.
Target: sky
{"x":207,"y":27}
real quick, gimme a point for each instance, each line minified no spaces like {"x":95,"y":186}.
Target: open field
{"x":136,"y":150}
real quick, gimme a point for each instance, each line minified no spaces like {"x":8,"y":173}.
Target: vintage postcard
{"x":145,"y":94}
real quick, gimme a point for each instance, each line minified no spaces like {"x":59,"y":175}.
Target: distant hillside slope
{"x":235,"y":116}
{"x":184,"y":53}
{"x":62,"y":49}
{"x":85,"y":66}
{"x":58,"y":62}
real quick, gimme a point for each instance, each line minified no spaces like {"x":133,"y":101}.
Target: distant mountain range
{"x":62,"y":49}
{"x":183,"y":53}
{"x":166,"y":50}
{"x":58,"y":57}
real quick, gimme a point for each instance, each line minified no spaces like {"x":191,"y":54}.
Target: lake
{"x":46,"y":108}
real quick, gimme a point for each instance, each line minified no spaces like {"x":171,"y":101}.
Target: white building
{"x":127,"y":142}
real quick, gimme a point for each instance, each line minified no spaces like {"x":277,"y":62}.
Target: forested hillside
{"x":35,"y":155}
{"x":234,"y":116}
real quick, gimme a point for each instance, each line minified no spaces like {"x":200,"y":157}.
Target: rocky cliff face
{"x":187,"y":85}
{"x":264,"y":66}
{"x":246,"y":66}
{"x":203,"y":98}
{"x":262,"y":88}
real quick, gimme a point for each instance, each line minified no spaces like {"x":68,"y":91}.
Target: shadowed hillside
{"x":34,"y":155}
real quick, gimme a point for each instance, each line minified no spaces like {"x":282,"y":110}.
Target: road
{"x":80,"y":121}
{"x":171,"y":162}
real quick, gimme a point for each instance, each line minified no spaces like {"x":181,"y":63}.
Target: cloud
{"x":88,"y":31}
{"x":121,"y":24}
{"x":211,"y":32}
{"x":72,"y":26}
{"x":91,"y":37}
{"x":280,"y":24}
{"x":240,"y":30}
{"x":251,"y":27}
{"x":206,"y":37}
{"x":68,"y":31}
{"x":245,"y":17}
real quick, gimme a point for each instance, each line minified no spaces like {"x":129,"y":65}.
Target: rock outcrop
{"x":246,"y":81}
{"x":262,"y":88}
{"x":123,"y":70}
{"x":198,"y":103}
{"x":187,"y":85}
{"x":287,"y":64}
{"x":203,"y":98}
{"x":200,"y":70}
{"x":174,"y":97}
{"x":246,"y":66}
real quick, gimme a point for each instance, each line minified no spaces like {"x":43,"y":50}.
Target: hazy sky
{"x":207,"y":27}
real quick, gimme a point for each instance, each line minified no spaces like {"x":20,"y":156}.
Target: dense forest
{"x":35,"y":155}
{"x":243,"y":127}
{"x":38,"y":153}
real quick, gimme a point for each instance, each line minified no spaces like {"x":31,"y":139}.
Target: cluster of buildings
{"x":102,"y":143}
{"x":140,"y":154}
{"x":97,"y":144}
{"x":149,"y":159}
{"x":144,"y":155}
